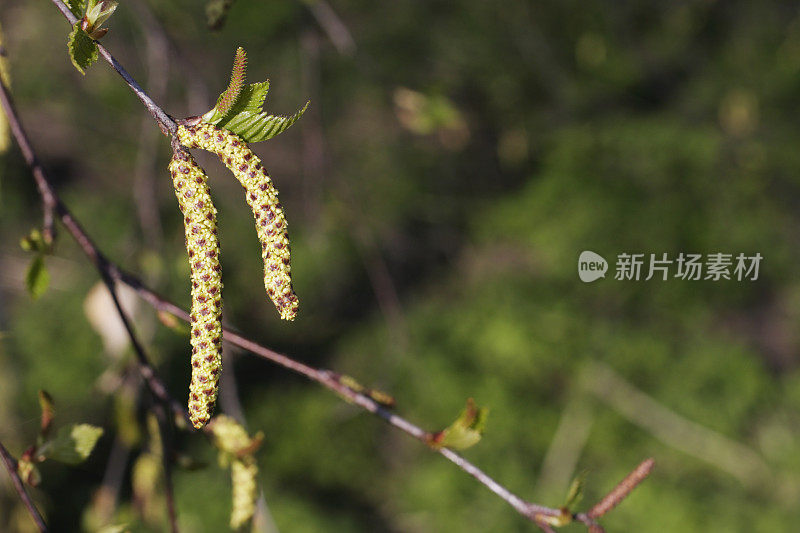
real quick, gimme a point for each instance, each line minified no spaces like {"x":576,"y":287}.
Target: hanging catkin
{"x":237,"y":447}
{"x":263,"y":199}
{"x":200,"y":223}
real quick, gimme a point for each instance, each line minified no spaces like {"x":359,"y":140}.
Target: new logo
{"x":591,"y":266}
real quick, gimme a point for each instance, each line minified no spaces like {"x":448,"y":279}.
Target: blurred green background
{"x":455,"y":161}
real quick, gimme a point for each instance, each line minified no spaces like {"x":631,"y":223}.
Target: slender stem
{"x":11,"y":465}
{"x":165,"y":121}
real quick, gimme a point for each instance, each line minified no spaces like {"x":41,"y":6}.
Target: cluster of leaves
{"x":81,"y":44}
{"x":37,"y":278}
{"x":465,"y":432}
{"x":70,"y":445}
{"x":239,"y":107}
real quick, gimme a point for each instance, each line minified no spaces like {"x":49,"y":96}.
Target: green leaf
{"x":231,"y":94}
{"x":78,"y":7}
{"x":466,"y":431}
{"x":96,"y":15}
{"x":251,"y":99}
{"x":34,"y":242}
{"x":82,"y":49}
{"x":37,"y":279}
{"x":575,"y":492}
{"x":72,"y":444}
{"x":239,"y":107}
{"x":256,"y":127}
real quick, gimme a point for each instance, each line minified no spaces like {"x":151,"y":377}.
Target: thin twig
{"x":48,"y":225}
{"x":622,"y":490}
{"x":332,"y":25}
{"x":165,"y":121}
{"x":107,"y":496}
{"x":11,"y":465}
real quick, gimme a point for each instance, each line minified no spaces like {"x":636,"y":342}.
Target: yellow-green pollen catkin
{"x":229,"y":435}
{"x":237,"y":447}
{"x":200,"y":223}
{"x":244,"y":474}
{"x":263,"y":199}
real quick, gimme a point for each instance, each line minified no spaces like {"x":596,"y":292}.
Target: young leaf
{"x":575,"y":492}
{"x":239,"y":108}
{"x":229,"y":97}
{"x":78,"y":7}
{"x":72,"y":444}
{"x":37,"y":279}
{"x":48,"y":412}
{"x":466,"y":431}
{"x":82,"y":49}
{"x":251,"y":99}
{"x":97,"y":14}
{"x":256,"y":127}
{"x":34,"y":242}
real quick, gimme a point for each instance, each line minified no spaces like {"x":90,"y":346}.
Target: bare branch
{"x":11,"y":465}
{"x":622,"y":490}
{"x":332,"y":25}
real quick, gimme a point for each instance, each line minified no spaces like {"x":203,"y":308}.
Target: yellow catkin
{"x":202,"y":245}
{"x":237,"y":448}
{"x":263,"y":199}
{"x":229,"y":435}
{"x":244,"y":474}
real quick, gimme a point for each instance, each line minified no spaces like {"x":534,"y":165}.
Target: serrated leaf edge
{"x":71,"y":39}
{"x":260,"y":126}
